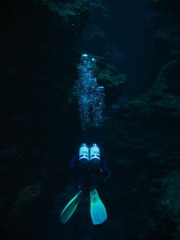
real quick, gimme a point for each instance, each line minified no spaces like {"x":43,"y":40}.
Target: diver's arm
{"x":73,"y":162}
{"x":74,"y":166}
{"x":103,"y":161}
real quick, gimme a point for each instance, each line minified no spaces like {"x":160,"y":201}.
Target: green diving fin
{"x":97,"y":208}
{"x":70,"y":207}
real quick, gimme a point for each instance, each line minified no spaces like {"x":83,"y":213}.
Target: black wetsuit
{"x":88,"y":177}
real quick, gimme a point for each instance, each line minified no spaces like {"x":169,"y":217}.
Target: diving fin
{"x":70,"y":208}
{"x":97,"y":208}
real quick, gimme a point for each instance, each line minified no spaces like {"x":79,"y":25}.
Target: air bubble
{"x":90,"y":96}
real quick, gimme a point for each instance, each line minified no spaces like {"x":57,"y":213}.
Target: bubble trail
{"x":90,"y":96}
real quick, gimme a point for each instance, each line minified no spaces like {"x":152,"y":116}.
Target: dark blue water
{"x":122,"y":36}
{"x":40,"y":129}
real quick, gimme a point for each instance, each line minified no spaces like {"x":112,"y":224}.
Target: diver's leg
{"x":81,"y":179}
{"x":95,"y":179}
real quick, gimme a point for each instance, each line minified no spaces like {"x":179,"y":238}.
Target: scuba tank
{"x":83,"y":155}
{"x":94,"y":155}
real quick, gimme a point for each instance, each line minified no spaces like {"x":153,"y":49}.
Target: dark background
{"x":40,"y":47}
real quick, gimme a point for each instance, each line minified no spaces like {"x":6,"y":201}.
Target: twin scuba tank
{"x":89,"y":157}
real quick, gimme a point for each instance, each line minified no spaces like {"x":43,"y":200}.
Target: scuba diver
{"x":90,"y":170}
